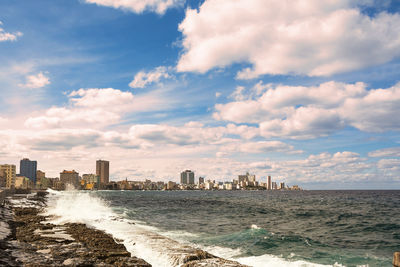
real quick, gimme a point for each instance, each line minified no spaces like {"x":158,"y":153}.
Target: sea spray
{"x":207,"y":220}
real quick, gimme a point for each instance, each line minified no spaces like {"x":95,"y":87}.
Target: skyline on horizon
{"x":307,"y":92}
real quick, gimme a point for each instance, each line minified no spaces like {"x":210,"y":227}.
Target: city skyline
{"x":308,"y":92}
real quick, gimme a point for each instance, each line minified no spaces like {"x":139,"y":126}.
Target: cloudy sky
{"x":305,"y":91}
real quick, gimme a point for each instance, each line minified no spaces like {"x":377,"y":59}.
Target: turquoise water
{"x":351,"y":228}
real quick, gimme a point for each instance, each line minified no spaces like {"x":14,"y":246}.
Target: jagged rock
{"x":213,"y":262}
{"x":36,"y":243}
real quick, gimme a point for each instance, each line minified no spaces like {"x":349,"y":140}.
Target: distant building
{"x":171,"y":185}
{"x":3,"y":177}
{"x":269,"y":185}
{"x":187,"y":177}
{"x":201,"y":180}
{"x":70,"y":177}
{"x":209,"y":185}
{"x":8,"y":171}
{"x":274,"y":186}
{"x":23,"y":182}
{"x":90,"y":178}
{"x":282,"y":186}
{"x":40,"y":175}
{"x":28,"y":169}
{"x":247,"y":178}
{"x":103,"y":171}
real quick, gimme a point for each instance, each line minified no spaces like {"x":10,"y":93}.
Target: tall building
{"x":28,"y":169}
{"x":103,"y":171}
{"x":247,"y":178}
{"x":70,"y":177}
{"x":269,"y":185}
{"x":9,"y":172}
{"x":187,"y":177}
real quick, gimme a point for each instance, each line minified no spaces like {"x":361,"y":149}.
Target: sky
{"x":305,"y":91}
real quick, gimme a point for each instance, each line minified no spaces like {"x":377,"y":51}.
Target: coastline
{"x":27,"y":238}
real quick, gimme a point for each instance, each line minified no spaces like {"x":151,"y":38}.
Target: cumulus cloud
{"x":94,"y":106}
{"x":36,"y":81}
{"x":259,"y":147}
{"x":386,"y":152}
{"x":285,"y":37}
{"x":139,"y":6}
{"x":142,"y":78}
{"x":7,"y":36}
{"x":308,"y":112}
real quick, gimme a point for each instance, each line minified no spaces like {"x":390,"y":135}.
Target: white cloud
{"x":385,"y":152}
{"x":143,"y":78}
{"x":308,"y":112}
{"x":139,"y":6}
{"x":283,"y":37}
{"x":97,"y":107}
{"x":7,"y":36}
{"x":36,"y":81}
{"x":259,"y":147}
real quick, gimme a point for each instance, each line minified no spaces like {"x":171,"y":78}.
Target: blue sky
{"x":307,"y":92}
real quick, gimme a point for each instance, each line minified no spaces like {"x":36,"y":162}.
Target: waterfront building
{"x":40,"y":174}
{"x":229,"y":186}
{"x":22,"y":182}
{"x":187,"y":177}
{"x":209,"y":185}
{"x":8,"y":172}
{"x":171,"y":185}
{"x":246,"y":179}
{"x":28,"y":169}
{"x":282,"y":186}
{"x":269,"y":185}
{"x":70,"y":177}
{"x":201,"y":180}
{"x":103,"y":171}
{"x":2,"y":179}
{"x":274,"y":186}
{"x":90,"y":178}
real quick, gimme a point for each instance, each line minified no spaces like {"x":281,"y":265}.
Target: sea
{"x":256,"y":228}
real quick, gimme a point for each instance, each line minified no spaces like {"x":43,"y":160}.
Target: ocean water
{"x":257,"y":228}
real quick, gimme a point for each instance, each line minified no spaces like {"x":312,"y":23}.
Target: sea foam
{"x":149,"y":243}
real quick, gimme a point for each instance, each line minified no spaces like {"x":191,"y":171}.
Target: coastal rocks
{"x":34,"y":242}
{"x":213,"y":262}
{"x":396,"y":259}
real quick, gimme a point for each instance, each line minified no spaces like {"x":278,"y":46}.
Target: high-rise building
{"x":8,"y":171}
{"x":269,"y":185}
{"x":70,"y":177}
{"x":28,"y":169}
{"x":103,"y":171}
{"x":187,"y":177}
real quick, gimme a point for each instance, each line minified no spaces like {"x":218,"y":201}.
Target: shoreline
{"x":28,"y":239}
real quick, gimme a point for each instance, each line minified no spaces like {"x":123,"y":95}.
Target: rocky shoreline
{"x":28,"y":239}
{"x":34,"y":242}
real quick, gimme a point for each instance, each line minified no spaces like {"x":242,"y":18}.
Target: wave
{"x":159,"y":248}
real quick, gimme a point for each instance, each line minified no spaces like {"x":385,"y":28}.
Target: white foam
{"x":274,"y":261}
{"x":142,"y":240}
